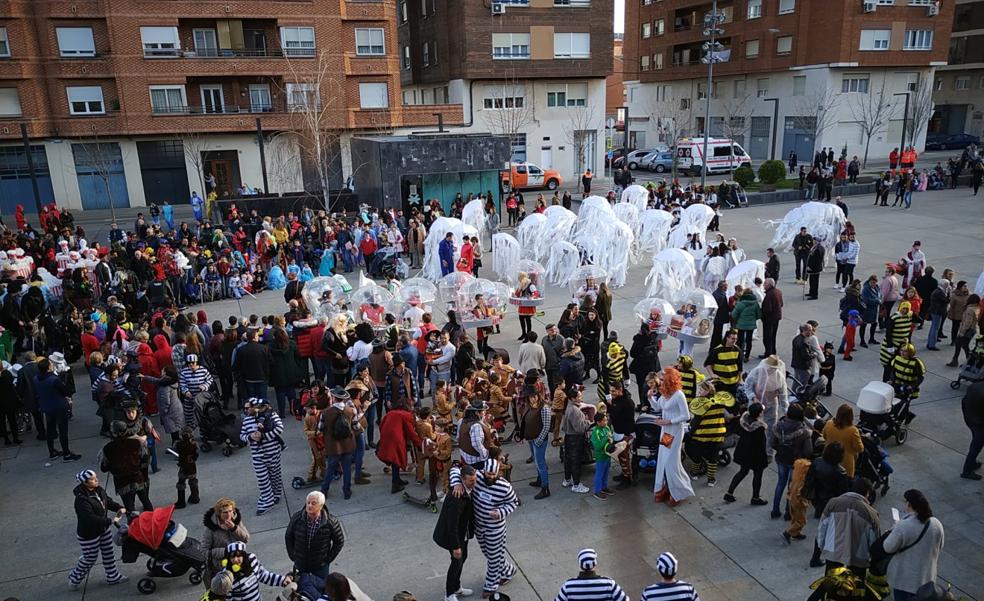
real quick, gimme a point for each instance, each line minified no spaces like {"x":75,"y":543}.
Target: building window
{"x":297,"y":41}
{"x":644,"y":62}
{"x":75,"y":41}
{"x":504,"y":97}
{"x":510,"y":46}
{"x":303,"y":96}
{"x":572,"y":94}
{"x":762,"y":87}
{"x":647,"y":30}
{"x":433,"y":57}
{"x":85,"y":100}
{"x":855,"y":83}
{"x":875,"y":39}
{"x":406,"y":98}
{"x":369,"y":42}
{"x":918,"y":39}
{"x":740,"y":88}
{"x":572,"y":45}
{"x":754,"y":9}
{"x":168,"y":99}
{"x":660,"y":26}
{"x":373,"y":95}
{"x":799,"y":85}
{"x":259,"y":98}
{"x":4,"y":42}
{"x":403,"y":11}
{"x":206,"y":42}
{"x":423,"y":11}
{"x":938,"y":84}
{"x":784,"y":45}
{"x":787,"y":6}
{"x":426,"y":55}
{"x":658,"y":60}
{"x":961,"y":83}
{"x":9,"y":103}
{"x":886,"y":2}
{"x":751,"y":48}
{"x":425,"y":97}
{"x":439,"y":97}
{"x":406,"y":57}
{"x":160,"y":41}
{"x":701,"y":91}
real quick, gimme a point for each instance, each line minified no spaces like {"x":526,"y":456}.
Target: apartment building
{"x":958,"y":89}
{"x":533,"y":70}
{"x":140,"y":101}
{"x":789,"y":74}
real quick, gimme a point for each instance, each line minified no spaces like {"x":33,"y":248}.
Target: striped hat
{"x":587,"y":559}
{"x":235,"y":547}
{"x":191,"y":358}
{"x":666,"y":565}
{"x":84,"y":475}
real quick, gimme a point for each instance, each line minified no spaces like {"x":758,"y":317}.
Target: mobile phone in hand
{"x":895,"y":514}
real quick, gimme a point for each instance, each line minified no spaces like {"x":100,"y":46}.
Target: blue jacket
{"x":51,"y":393}
{"x":445,"y":251}
{"x":872,"y":299}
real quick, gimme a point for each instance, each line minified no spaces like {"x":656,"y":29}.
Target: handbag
{"x":880,"y":558}
{"x":666,"y":439}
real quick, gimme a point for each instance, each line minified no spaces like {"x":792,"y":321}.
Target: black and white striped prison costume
{"x":670,"y":591}
{"x":91,"y":507}
{"x":192,"y":382}
{"x":265,"y":457}
{"x":91,"y":549}
{"x":247,"y":588}
{"x":591,"y":588}
{"x":491,"y":533}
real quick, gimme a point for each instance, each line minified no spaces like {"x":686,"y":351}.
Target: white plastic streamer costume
{"x":529,"y":232}
{"x":564,"y":259}
{"x":506,"y":252}
{"x":822,"y":220}
{"x":473,"y":214}
{"x":715,"y":270}
{"x":693,"y":220}
{"x":629,"y":215}
{"x":438,"y":229}
{"x":744,"y":274}
{"x":653,"y":231}
{"x":605,"y":239}
{"x":672,"y":276}
{"x":558,"y":226}
{"x":637,"y":196}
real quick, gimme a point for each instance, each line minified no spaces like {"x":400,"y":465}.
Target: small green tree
{"x":744,"y":176}
{"x":771,"y":172}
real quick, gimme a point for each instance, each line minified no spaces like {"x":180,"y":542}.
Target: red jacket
{"x":148,"y":367}
{"x":425,"y":328}
{"x":163,"y":352}
{"x":315,"y":336}
{"x":367,"y":245}
{"x":395,"y":430}
{"x":304,"y":348}
{"x":89,"y":344}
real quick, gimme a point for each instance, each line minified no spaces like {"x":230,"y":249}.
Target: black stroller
{"x":645,"y":445}
{"x":170,"y":550}
{"x":885,"y":411}
{"x":872,"y":463}
{"x":808,"y":394}
{"x":216,"y":426}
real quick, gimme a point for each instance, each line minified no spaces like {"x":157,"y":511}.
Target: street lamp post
{"x":905,"y":116}
{"x":775,"y":125}
{"x":711,"y":47}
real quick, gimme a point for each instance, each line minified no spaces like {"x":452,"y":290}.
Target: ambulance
{"x":527,"y":176}
{"x":690,"y":155}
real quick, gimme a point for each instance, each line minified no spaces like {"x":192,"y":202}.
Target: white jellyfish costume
{"x":824,"y":221}
{"x":530,"y":232}
{"x":558,"y":226}
{"x":630,"y":216}
{"x":53,"y":284}
{"x":506,"y":252}
{"x":636,"y":196}
{"x":564,"y":259}
{"x":438,"y":230}
{"x":694,"y":322}
{"x":496,"y":299}
{"x":714,"y":270}
{"x":672,"y":276}
{"x":537,"y":275}
{"x":607,"y":241}
{"x":654,"y":229}
{"x":744,"y":274}
{"x":473,"y":214}
{"x":693,"y":220}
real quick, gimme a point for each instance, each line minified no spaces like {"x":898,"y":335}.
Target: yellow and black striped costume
{"x":886,"y":352}
{"x":691,"y":378}
{"x":614,"y":371}
{"x":707,"y":432}
{"x":908,"y":372}
{"x":899,"y":329}
{"x":725,"y":362}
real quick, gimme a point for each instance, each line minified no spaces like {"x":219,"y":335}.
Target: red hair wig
{"x":671,"y":383}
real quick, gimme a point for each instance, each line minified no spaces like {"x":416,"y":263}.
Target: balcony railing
{"x":223,"y":110}
{"x":237,"y":53}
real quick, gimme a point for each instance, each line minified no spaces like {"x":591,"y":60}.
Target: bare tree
{"x":737,"y":123}
{"x":816,"y":113}
{"x":872,"y":112}
{"x":284,"y":160}
{"x":196,"y":147}
{"x":671,"y":117}
{"x":512,"y":111}
{"x":105,"y":159}
{"x":578,"y":129}
{"x":921,"y":107}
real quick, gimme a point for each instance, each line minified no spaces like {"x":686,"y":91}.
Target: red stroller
{"x":170,"y":550}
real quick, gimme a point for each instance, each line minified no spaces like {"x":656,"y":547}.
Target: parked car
{"x":951,"y":142}
{"x":527,"y":176}
{"x":633,"y":158}
{"x":660,"y":162}
{"x":613,"y":158}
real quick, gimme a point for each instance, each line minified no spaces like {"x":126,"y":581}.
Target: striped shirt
{"x":670,"y":591}
{"x":194,"y":381}
{"x":247,"y":588}
{"x":486,"y":497}
{"x":591,"y":588}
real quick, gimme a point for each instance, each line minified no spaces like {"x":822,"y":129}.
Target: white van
{"x":723,"y":155}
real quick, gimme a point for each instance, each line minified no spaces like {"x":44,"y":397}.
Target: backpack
{"x":342,"y":428}
{"x":809,"y":489}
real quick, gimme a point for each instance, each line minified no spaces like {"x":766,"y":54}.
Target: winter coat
{"x":772,"y":305}
{"x":162,"y":352}
{"x":747,"y":312}
{"x":603,"y":306}
{"x":286,"y":367}
{"x":169,"y":404}
{"x":9,"y":397}
{"x":253,"y":361}
{"x":572,"y":367}
{"x":51,"y":393}
{"x":791,"y":440}
{"x":829,"y":481}
{"x":91,"y":507}
{"x":939,"y":302}
{"x":552,"y":349}
{"x":972,"y":405}
{"x":958,"y":300}
{"x":847,"y":528}
{"x":148,"y":367}
{"x":750,"y":451}
{"x":335,"y":446}
{"x":871,"y":299}
{"x":849,"y":438}
{"x":215,"y":539}
{"x":851,"y":301}
{"x":395,"y":430}
{"x":916,"y":565}
{"x":644,"y":354}
{"x":308,"y":551}
{"x":456,"y":524}
{"x":126,"y":459}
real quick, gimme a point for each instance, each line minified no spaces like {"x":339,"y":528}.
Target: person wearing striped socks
{"x":93,"y":531}
{"x":669,"y":588}
{"x":588,"y":585}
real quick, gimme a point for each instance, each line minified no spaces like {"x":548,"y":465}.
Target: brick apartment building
{"x":530,"y":69}
{"x":958,"y":89}
{"x":798,"y":52}
{"x":153,"y":95}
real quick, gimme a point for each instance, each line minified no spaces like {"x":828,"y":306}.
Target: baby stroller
{"x":384,"y":262}
{"x":736,"y":196}
{"x":808,"y":394}
{"x":645,"y":445}
{"x":973,"y":369}
{"x":215,"y":425}
{"x":170,"y":550}
{"x":883,"y":414}
{"x":872,"y":463}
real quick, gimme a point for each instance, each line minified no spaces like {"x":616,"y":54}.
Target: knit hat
{"x":222,"y":584}
{"x":236,"y":546}
{"x":587,"y":559}
{"x":666,"y":565}
{"x":117,"y":429}
{"x":614,"y":349}
{"x":568,"y":344}
{"x":191,"y":358}
{"x":905,"y":305}
{"x":84,"y":475}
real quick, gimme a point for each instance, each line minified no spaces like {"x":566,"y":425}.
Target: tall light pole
{"x":905,"y":116}
{"x":711,"y":48}
{"x":775,"y":128}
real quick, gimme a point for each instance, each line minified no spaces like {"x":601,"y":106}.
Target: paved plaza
{"x":730,"y":552}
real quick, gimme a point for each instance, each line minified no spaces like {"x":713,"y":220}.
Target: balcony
{"x":227,"y":109}
{"x":423,"y":114}
{"x":685,"y":55}
{"x":692,"y":18}
{"x":968,"y":17}
{"x":966,"y":50}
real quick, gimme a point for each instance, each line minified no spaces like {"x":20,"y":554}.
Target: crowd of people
{"x":432,"y":403}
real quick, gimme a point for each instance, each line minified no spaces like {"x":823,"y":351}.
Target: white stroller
{"x":882,"y":413}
